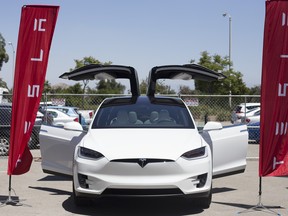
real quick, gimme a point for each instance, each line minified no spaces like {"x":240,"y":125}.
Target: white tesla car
{"x":143,"y":145}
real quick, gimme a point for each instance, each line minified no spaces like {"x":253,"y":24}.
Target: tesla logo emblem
{"x":142,"y":162}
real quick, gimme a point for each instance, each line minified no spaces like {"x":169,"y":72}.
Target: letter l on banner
{"x":34,"y":40}
{"x":273,"y":159}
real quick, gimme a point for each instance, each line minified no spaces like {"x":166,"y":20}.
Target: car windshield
{"x":143,"y":113}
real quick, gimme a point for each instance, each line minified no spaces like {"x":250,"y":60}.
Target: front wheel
{"x":4,"y":146}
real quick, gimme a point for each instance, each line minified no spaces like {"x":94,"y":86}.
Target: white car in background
{"x":241,"y":110}
{"x":143,"y":145}
{"x":252,"y":119}
{"x":253,"y":115}
{"x":57,"y":118}
{"x":87,"y":115}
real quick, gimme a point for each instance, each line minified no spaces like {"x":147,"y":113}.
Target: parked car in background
{"x":240,"y":111}
{"x":143,"y":145}
{"x":254,"y":131}
{"x":3,"y":94}
{"x":57,"y":117}
{"x":251,"y":113}
{"x":5,"y":126}
{"x":252,"y":119}
{"x":70,"y":111}
{"x":87,"y":115}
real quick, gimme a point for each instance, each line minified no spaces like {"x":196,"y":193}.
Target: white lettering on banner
{"x":281,"y":128}
{"x":34,"y":91}
{"x":38,"y":25}
{"x":40,"y":58}
{"x":26,"y":126}
{"x":283,"y":56}
{"x":18,"y":160}
{"x":275,"y":163}
{"x":282,"y":91}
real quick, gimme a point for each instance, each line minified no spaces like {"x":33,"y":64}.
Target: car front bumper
{"x":181,"y":177}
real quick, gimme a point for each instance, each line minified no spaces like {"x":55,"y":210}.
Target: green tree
{"x":3,"y":84}
{"x":110,"y":87}
{"x":75,"y":89}
{"x":255,"y":90}
{"x":88,"y":60}
{"x":161,"y":88}
{"x":232,"y":84}
{"x":47,"y":87}
{"x":4,"y":57}
{"x":186,"y":90}
{"x":143,"y":86}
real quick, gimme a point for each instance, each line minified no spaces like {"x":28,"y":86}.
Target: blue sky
{"x":144,"y":34}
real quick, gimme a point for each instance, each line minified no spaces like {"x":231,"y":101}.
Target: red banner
{"x":35,"y":36}
{"x":274,"y":92}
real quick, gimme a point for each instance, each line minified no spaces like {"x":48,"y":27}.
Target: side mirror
{"x":212,"y":126}
{"x":73,"y":126}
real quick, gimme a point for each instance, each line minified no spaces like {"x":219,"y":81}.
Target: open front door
{"x":229,"y":147}
{"x":182,"y":72}
{"x":57,"y":146}
{"x":100,"y":72}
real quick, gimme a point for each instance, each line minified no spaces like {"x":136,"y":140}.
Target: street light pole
{"x":230,"y":24}
{"x":229,"y":64}
{"x":13,"y":62}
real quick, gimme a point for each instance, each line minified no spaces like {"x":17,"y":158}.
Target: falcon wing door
{"x":182,"y":72}
{"x":100,"y":72}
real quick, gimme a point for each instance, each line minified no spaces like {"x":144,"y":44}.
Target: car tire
{"x":4,"y":145}
{"x":80,"y":201}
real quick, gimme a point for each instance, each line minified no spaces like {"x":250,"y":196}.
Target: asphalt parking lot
{"x":43,"y":194}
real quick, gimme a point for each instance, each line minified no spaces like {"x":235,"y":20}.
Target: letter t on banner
{"x":34,"y":40}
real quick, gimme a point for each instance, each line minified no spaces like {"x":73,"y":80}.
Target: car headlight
{"x":89,"y":154}
{"x":195,"y":154}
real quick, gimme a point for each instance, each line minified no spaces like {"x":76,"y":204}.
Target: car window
{"x":238,"y":109}
{"x":141,"y":116}
{"x":252,"y":110}
{"x":251,"y":107}
{"x":53,"y":114}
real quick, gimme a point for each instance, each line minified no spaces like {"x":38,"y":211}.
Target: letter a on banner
{"x":34,"y":40}
{"x":274,"y":94}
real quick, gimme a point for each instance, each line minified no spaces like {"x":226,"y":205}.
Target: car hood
{"x":142,"y":143}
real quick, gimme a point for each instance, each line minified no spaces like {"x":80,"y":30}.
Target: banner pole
{"x":260,"y":206}
{"x":9,"y":200}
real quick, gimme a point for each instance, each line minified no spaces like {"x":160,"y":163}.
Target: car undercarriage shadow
{"x":135,"y":206}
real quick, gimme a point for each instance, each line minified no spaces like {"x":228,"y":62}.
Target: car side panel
{"x":229,"y":148}
{"x":57,"y":147}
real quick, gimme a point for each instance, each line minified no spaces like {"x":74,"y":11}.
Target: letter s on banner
{"x":36,"y":31}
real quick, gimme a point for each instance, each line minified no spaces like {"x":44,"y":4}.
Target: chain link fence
{"x":203,"y":108}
